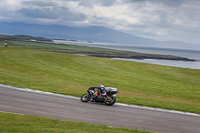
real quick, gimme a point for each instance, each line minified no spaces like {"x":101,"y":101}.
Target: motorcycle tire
{"x":110,"y":102}
{"x":85,"y":97}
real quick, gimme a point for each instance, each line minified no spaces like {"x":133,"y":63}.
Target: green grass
{"x":138,"y":83}
{"x":13,"y":123}
{"x":62,"y":48}
{"x":73,"y":49}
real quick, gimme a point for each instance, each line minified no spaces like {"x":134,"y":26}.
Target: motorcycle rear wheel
{"x":85,"y":97}
{"x":110,"y":101}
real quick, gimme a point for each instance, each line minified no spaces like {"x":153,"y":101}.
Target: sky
{"x":155,"y":19}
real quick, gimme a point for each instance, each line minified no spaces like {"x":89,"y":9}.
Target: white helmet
{"x":101,"y":86}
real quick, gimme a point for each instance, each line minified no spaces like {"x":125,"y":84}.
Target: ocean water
{"x":183,"y":64}
{"x":191,"y":54}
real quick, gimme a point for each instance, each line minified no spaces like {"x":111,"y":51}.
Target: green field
{"x":48,"y":67}
{"x":13,"y":123}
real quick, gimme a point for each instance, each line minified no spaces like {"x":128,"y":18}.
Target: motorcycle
{"x":108,"y":97}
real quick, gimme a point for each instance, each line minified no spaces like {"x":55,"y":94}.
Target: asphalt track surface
{"x":72,"y":109}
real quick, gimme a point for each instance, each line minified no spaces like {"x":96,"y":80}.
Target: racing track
{"x":72,"y":109}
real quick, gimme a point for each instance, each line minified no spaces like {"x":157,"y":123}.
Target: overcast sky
{"x":155,"y":19}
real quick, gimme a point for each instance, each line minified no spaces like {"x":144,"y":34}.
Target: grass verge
{"x":138,"y":83}
{"x":33,"y":124}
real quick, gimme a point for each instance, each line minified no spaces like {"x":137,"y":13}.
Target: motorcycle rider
{"x":99,"y":92}
{"x":102,"y":90}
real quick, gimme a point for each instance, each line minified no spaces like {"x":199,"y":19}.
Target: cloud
{"x":160,"y":18}
{"x":164,"y":2}
{"x":52,"y":13}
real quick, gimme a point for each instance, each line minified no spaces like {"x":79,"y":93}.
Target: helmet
{"x":101,"y":86}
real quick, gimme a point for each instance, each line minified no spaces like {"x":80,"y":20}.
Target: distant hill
{"x":25,"y":37}
{"x":94,"y":34}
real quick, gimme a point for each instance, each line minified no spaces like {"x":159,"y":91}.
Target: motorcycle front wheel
{"x":110,"y":100}
{"x":85,"y":97}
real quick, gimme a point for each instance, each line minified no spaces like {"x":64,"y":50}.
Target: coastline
{"x":138,"y":56}
{"x":124,"y":53}
{"x":142,"y":57}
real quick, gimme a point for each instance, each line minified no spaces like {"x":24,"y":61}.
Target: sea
{"x":188,"y":53}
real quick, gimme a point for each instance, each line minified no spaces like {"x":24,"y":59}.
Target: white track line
{"x":119,"y":104}
{"x":10,"y":112}
{"x":37,"y":91}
